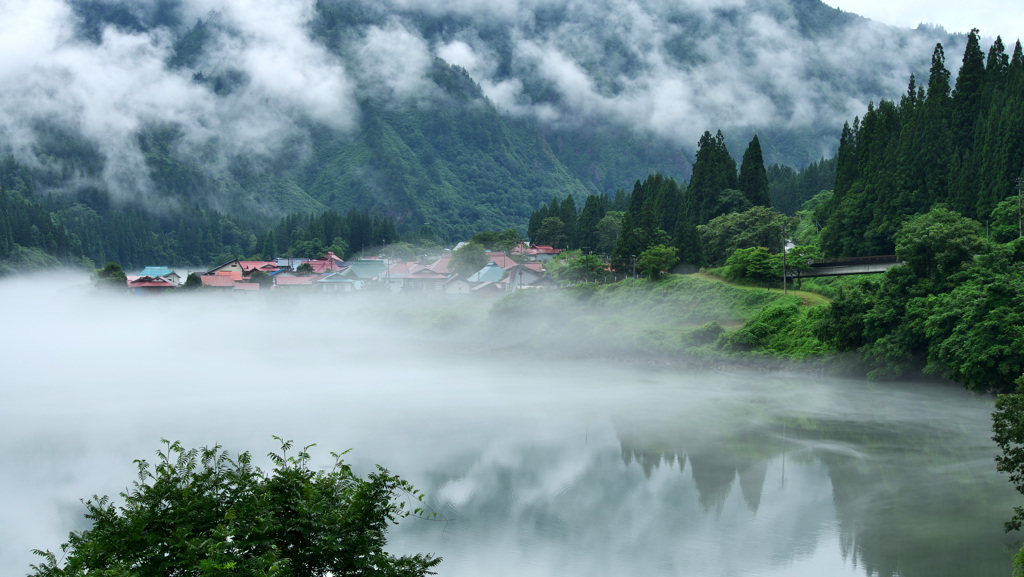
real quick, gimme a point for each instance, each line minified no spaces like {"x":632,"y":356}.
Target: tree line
{"x":660,"y":211}
{"x":960,"y":148}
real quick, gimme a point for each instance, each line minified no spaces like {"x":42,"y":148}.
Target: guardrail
{"x":885,"y":258}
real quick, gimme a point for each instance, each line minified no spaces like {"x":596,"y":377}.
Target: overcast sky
{"x":991,"y":17}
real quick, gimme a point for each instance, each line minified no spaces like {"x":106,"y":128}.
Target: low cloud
{"x":107,"y":92}
{"x":672,"y":70}
{"x":393,"y":61}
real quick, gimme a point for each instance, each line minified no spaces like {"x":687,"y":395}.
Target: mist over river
{"x":539,"y":467}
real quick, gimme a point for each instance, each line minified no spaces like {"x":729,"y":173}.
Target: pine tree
{"x":586,"y":226}
{"x":687,"y":241}
{"x":714,"y":170}
{"x":753,"y":179}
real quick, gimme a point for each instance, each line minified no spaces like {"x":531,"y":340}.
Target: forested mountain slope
{"x":465,"y":116}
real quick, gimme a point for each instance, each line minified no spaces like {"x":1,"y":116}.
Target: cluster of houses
{"x":331,"y":274}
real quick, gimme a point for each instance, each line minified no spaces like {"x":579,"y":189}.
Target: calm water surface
{"x":538,"y":468}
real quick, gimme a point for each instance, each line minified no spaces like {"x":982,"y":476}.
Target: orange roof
{"x":218,"y":280}
{"x":233,"y":275}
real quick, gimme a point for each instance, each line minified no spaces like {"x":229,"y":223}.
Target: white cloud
{"x":395,"y":58}
{"x":108,"y":91}
{"x":992,"y":17}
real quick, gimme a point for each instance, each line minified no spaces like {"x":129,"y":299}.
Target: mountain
{"x":464,"y":116}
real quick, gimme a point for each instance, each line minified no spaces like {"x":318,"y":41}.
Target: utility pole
{"x":1020,"y":223}
{"x":783,"y":231}
{"x":634,"y":276}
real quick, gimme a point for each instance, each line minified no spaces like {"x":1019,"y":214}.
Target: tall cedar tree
{"x":753,"y":179}
{"x":714,"y":171}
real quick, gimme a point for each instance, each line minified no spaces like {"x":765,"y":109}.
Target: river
{"x":537,"y":467}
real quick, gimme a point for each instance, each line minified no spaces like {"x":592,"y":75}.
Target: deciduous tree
{"x":203,"y":512}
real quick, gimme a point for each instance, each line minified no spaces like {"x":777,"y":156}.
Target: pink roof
{"x":247,"y":286}
{"x":233,"y":275}
{"x":330,"y":263}
{"x":501,"y":259}
{"x":217,"y":280}
{"x":295,"y":280}
{"x":404,"y":267}
{"x":263,"y":265}
{"x":535,"y":249}
{"x":545,"y":249}
{"x":151,"y":282}
{"x":443,"y":264}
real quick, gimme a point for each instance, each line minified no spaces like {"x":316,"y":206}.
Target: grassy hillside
{"x":682,"y":317}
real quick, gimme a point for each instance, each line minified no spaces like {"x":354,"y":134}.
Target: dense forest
{"x":961,"y":148}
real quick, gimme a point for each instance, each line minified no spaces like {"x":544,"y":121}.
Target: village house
{"x":161,"y":271}
{"x":490,"y":273}
{"x":535,"y":253}
{"x":149,"y":285}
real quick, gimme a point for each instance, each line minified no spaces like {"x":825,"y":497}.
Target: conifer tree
{"x":536,"y":219}
{"x":967,"y":94}
{"x":569,"y":216}
{"x":753,"y":179}
{"x":714,"y":170}
{"x":586,"y":226}
{"x":687,"y":240}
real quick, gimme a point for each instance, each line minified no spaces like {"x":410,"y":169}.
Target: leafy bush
{"x":705,"y":335}
{"x":200,"y":512}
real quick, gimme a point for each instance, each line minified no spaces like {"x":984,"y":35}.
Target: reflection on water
{"x":539,"y":468}
{"x":894,"y":480}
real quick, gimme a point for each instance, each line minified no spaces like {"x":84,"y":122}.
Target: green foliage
{"x":1008,"y":429}
{"x":261,"y":278}
{"x":202,"y":512}
{"x":714,"y":171}
{"x":607,"y":231}
{"x":551,"y":233}
{"x":581,"y":268}
{"x":841,"y":324}
{"x":753,"y":266}
{"x":192,"y":282}
{"x":932,"y":148}
{"x":469,"y":259}
{"x":758,"y":227}
{"x":110,"y":277}
{"x":654,"y":206}
{"x":1006,"y":220}
{"x":753,"y":178}
{"x":668,"y":318}
{"x":706,"y":334}
{"x":974,"y":331}
{"x":938,"y":243}
{"x":809,"y":219}
{"x":654,"y":261}
{"x":790,"y":190}
{"x":503,"y":241}
{"x":780,"y":328}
